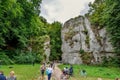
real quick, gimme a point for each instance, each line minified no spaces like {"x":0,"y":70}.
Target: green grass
{"x":93,"y":72}
{"x":23,"y":72}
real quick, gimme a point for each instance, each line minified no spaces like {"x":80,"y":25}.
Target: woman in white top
{"x":49,"y":72}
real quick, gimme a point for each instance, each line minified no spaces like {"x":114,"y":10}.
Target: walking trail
{"x":56,"y":74}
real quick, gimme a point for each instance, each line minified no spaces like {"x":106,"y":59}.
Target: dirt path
{"x":56,"y":74}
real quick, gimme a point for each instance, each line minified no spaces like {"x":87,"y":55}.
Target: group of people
{"x":66,"y":73}
{"x":11,"y":77}
{"x":47,"y":69}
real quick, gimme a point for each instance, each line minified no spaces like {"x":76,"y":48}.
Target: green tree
{"x":111,"y":18}
{"x":106,"y":13}
{"x":95,"y":12}
{"x":19,"y":24}
{"x":54,"y":31}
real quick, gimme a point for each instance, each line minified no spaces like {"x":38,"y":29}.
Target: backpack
{"x":43,"y":68}
{"x":48,"y":71}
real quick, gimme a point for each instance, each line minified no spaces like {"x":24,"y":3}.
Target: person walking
{"x":63,"y":76}
{"x":42,"y":70}
{"x":71,"y":70}
{"x":2,"y":77}
{"x":49,"y":72}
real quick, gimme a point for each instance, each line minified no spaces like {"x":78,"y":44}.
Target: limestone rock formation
{"x":47,"y":48}
{"x":83,"y":43}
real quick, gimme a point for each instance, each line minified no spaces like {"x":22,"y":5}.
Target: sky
{"x":63,"y":10}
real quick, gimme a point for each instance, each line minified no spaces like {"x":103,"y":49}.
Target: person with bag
{"x":71,"y":70}
{"x":42,"y":70}
{"x":49,"y":72}
{"x":2,"y":77}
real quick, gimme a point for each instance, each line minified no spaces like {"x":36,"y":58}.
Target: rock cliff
{"x":47,"y":48}
{"x":83,"y":43}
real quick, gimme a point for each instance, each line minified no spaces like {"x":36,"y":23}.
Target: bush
{"x":82,"y":51}
{"x":24,"y":58}
{"x":110,"y":61}
{"x":39,"y":58}
{"x":4,"y":59}
{"x":86,"y":57}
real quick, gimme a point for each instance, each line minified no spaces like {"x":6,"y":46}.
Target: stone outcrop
{"x":83,"y":43}
{"x":47,"y":48}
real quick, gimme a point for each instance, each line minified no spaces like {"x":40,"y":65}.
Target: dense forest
{"x":23,"y":31}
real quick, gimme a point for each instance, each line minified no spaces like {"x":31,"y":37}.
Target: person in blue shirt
{"x":49,"y":72}
{"x":2,"y":77}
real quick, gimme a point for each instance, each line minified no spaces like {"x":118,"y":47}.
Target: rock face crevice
{"x":82,"y":44}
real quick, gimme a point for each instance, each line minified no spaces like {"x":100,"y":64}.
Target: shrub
{"x":110,"y":61}
{"x":4,"y":59}
{"x":86,"y":57}
{"x":24,"y":58}
{"x":82,"y":51}
{"x":39,"y":58}
{"x":69,"y":34}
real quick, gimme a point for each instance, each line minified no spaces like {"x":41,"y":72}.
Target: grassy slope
{"x":93,"y":72}
{"x":23,"y":72}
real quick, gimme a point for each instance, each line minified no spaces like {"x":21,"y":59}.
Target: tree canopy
{"x":22,"y":31}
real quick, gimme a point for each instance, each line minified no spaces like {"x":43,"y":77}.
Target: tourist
{"x":71,"y":70}
{"x":49,"y":72}
{"x":66,"y":71}
{"x":83,"y":73}
{"x":2,"y":77}
{"x":63,"y":76}
{"x":12,"y":76}
{"x":42,"y":70}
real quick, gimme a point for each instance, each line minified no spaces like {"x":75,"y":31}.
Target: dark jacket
{"x":2,"y":77}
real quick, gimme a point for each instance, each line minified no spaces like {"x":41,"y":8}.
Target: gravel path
{"x":56,"y":74}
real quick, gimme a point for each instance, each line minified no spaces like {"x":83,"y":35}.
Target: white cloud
{"x":62,"y":10}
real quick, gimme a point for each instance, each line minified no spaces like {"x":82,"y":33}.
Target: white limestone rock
{"x":78,"y":34}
